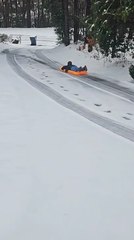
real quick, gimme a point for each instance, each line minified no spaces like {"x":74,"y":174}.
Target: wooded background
{"x":109,"y":22}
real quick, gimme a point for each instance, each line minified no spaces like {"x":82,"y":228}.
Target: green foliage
{"x":109,"y":22}
{"x":55,"y":7}
{"x":131,"y":71}
{"x":112,"y":23}
{"x":57,"y":17}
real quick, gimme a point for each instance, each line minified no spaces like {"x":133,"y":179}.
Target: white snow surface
{"x":61,"y":176}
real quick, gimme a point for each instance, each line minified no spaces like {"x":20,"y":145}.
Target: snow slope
{"x":61,"y":176}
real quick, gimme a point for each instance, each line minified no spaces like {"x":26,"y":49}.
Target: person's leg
{"x":85,"y":68}
{"x":80,"y":69}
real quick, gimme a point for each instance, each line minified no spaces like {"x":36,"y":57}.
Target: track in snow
{"x":92,"y":80}
{"x":109,"y":124}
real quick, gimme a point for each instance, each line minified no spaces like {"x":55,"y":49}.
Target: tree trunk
{"x":16,"y":11}
{"x":28,"y":13}
{"x":66,"y":39}
{"x":23,"y":13}
{"x":114,"y":39}
{"x":6,"y":15}
{"x":42,"y":13}
{"x":88,"y":7}
{"x":76,"y":21}
{"x":38,"y":24}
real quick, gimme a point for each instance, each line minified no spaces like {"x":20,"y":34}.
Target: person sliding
{"x":73,"y":67}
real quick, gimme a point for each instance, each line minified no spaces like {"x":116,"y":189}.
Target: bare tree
{"x":76,"y":20}
{"x":28,"y":9}
{"x":6,"y":13}
{"x":66,"y":39}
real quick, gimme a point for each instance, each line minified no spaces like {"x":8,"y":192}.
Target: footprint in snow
{"x":65,"y":90}
{"x":108,"y":111}
{"x":126,"y":118}
{"x":82,"y":100}
{"x":61,"y":86}
{"x":76,"y":94}
{"x":43,"y":73}
{"x":131,"y":114}
{"x":98,"y":105}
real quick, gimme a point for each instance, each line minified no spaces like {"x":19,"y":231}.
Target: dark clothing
{"x":74,"y":68}
{"x":66,"y":68}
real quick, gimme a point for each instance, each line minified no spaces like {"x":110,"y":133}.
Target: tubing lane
{"x":93,"y":80}
{"x":104,"y":122}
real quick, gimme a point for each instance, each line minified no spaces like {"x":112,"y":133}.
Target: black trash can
{"x":33,"y":40}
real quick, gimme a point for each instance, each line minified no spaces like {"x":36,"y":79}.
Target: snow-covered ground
{"x":116,"y":70}
{"x":61,"y":175}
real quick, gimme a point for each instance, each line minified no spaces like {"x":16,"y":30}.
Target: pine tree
{"x":111,"y":21}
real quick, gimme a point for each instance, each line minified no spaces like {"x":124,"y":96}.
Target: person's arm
{"x":65,"y":68}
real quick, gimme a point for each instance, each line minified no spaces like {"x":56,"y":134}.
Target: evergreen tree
{"x":111,"y":24}
{"x":60,"y":18}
